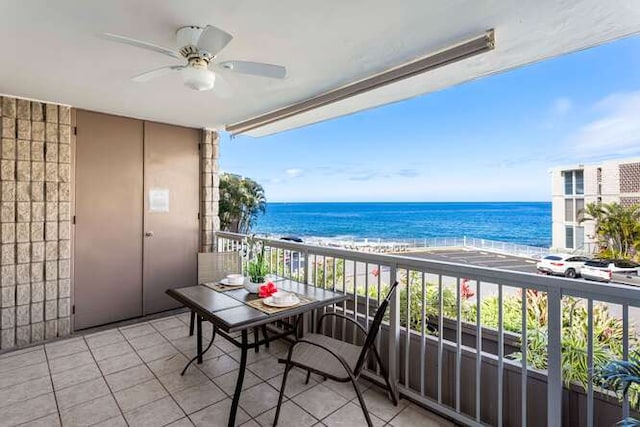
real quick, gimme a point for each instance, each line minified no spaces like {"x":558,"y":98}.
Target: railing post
{"x":554,"y":349}
{"x":306,"y":267}
{"x":394,"y":332}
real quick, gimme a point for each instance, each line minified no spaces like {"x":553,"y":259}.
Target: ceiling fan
{"x":199,"y":46}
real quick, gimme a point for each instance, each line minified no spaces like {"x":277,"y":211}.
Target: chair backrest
{"x":374,"y":329}
{"x":214,"y":266}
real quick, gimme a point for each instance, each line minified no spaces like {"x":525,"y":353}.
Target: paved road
{"x":479,"y":258}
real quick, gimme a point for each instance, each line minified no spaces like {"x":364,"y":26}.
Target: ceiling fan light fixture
{"x":198,"y":78}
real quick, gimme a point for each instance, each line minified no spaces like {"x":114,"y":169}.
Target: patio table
{"x":230,"y":313}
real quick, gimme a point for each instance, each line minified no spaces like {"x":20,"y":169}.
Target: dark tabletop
{"x":229,"y":311}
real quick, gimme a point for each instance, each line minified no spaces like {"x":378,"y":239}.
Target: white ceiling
{"x":51,"y":50}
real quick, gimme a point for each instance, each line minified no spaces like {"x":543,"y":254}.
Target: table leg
{"x":243,"y":365}
{"x":199,"y":328}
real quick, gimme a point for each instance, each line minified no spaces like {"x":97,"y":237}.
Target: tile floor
{"x":131,"y":376}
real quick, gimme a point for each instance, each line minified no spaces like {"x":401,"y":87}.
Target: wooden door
{"x":171,"y":204}
{"x":109,"y":219}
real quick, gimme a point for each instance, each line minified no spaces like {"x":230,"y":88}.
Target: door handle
{"x":148,"y":234}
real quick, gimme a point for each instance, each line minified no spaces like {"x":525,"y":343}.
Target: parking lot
{"x":479,"y":258}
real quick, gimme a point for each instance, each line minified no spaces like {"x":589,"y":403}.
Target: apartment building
{"x":573,"y":187}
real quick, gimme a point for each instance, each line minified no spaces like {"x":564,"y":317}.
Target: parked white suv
{"x":602,"y":269}
{"x":562,"y":264}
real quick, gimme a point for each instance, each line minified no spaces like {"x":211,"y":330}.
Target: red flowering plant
{"x":267,"y":290}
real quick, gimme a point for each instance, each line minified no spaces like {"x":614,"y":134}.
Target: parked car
{"x":602,"y":269}
{"x":625,"y":278}
{"x":562,"y":264}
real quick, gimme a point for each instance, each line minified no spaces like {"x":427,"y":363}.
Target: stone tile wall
{"x":630,"y":178}
{"x":35,"y":220}
{"x":209,"y":220}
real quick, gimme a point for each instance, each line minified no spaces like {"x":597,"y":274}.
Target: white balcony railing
{"x":459,"y":339}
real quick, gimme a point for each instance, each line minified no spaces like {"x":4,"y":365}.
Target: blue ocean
{"x":527,"y":223}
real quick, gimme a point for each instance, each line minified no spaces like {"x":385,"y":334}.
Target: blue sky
{"x":492,"y":139}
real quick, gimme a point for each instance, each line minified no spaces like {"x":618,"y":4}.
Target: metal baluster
{"x":333,"y":289}
{"x":458,"y":343}
{"x":423,"y":325}
{"x":478,"y":347}
{"x":344,"y":303}
{"x":590,"y":361}
{"x":625,"y":353}
{"x":554,"y":356}
{"x":366,"y":293}
{"x":394,"y":332}
{"x":355,"y":300}
{"x":378,"y":338}
{"x":440,"y":330}
{"x":407,"y":340}
{"x":525,"y":344}
{"x":500,"y":355}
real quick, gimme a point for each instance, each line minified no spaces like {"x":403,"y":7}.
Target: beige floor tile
{"x":200,"y":396}
{"x":346,"y":389}
{"x":380,"y":405}
{"x":28,"y":410}
{"x":155,"y":414}
{"x":174,"y":382}
{"x":148,"y":340}
{"x":24,"y":391}
{"x":227,"y":382}
{"x":75,"y":376}
{"x":217,"y":415}
{"x":92,"y":412}
{"x":252,"y":356}
{"x":175,"y":333}
{"x":267,"y":368}
{"x":182,"y":422}
{"x":258,"y":399}
{"x":351,"y":415}
{"x":65,"y":347}
{"x":168,"y":364}
{"x":129,"y":377}
{"x":295,"y":382}
{"x":224,"y":345}
{"x":21,"y":351}
{"x":101,"y":339}
{"x":21,"y":375}
{"x":22,"y":360}
{"x":156,"y":352}
{"x":72,"y":361}
{"x":112,"y":422}
{"x":291,"y":415}
{"x":119,"y":363}
{"x":137,"y":330}
{"x":80,"y":393}
{"x":218,"y":366}
{"x":111,"y":350}
{"x":186,"y":344}
{"x":167,"y":323}
{"x":52,"y":420}
{"x":140,"y":394}
{"x":413,"y":416}
{"x":250,"y":423}
{"x":320,"y":401}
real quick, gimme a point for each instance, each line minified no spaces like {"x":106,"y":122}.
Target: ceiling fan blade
{"x":222,"y":89}
{"x":145,"y":77}
{"x":255,"y":69}
{"x":213,"y":39}
{"x":141,"y":44}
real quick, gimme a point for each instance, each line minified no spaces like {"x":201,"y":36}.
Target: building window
{"x":568,"y":210}
{"x":568,"y":237}
{"x":579,"y":175}
{"x":579,"y":210}
{"x":579,"y":232}
{"x":568,"y":182}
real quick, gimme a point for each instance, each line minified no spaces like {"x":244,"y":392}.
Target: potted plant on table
{"x":620,"y":376}
{"x":256,"y":265}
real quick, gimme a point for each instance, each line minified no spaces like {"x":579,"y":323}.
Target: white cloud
{"x":561,"y":106}
{"x":615,"y":132}
{"x":293,"y":173}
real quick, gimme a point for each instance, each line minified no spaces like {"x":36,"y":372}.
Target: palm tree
{"x":617,"y":227}
{"x":621,"y":377}
{"x":241,"y":201}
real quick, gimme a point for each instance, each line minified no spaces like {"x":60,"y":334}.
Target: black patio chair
{"x":338,"y":360}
